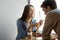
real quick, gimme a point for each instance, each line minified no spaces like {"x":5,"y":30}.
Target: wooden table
{"x":39,"y":37}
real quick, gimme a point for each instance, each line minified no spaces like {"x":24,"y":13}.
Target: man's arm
{"x":48,"y":26}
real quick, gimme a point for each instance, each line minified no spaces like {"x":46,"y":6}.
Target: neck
{"x":28,"y":20}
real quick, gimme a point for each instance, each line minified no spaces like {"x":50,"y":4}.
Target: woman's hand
{"x":31,"y":26}
{"x":35,"y":25}
{"x":39,"y":24}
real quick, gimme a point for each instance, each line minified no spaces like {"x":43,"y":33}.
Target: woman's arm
{"x":20,"y":30}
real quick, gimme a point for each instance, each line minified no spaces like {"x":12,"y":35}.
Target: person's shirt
{"x":21,"y":32}
{"x":52,"y":21}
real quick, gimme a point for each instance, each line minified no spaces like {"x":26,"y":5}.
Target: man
{"x":52,"y":20}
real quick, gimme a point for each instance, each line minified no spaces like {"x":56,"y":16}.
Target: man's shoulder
{"x":56,"y":11}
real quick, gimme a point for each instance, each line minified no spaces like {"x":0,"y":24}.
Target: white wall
{"x":10,"y":11}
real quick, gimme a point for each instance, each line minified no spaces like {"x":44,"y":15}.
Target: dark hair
{"x":51,"y":3}
{"x":26,"y":12}
{"x":49,"y":0}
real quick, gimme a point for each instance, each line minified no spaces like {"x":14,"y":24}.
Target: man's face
{"x":46,"y":9}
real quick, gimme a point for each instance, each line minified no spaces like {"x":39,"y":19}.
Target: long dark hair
{"x":26,"y":12}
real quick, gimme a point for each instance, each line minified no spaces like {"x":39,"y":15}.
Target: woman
{"x":24,"y":23}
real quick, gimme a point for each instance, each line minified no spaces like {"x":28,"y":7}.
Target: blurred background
{"x":11,"y":10}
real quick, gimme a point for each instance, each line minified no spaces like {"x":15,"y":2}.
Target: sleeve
{"x":20,"y":30}
{"x":48,"y":26}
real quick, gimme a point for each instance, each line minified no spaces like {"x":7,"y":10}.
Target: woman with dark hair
{"x":24,"y":23}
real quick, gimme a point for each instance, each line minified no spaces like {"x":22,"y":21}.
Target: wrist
{"x":29,"y":33}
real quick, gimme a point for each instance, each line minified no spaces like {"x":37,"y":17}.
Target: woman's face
{"x":31,"y":12}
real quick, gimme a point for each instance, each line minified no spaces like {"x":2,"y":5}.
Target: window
{"x":39,"y":14}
